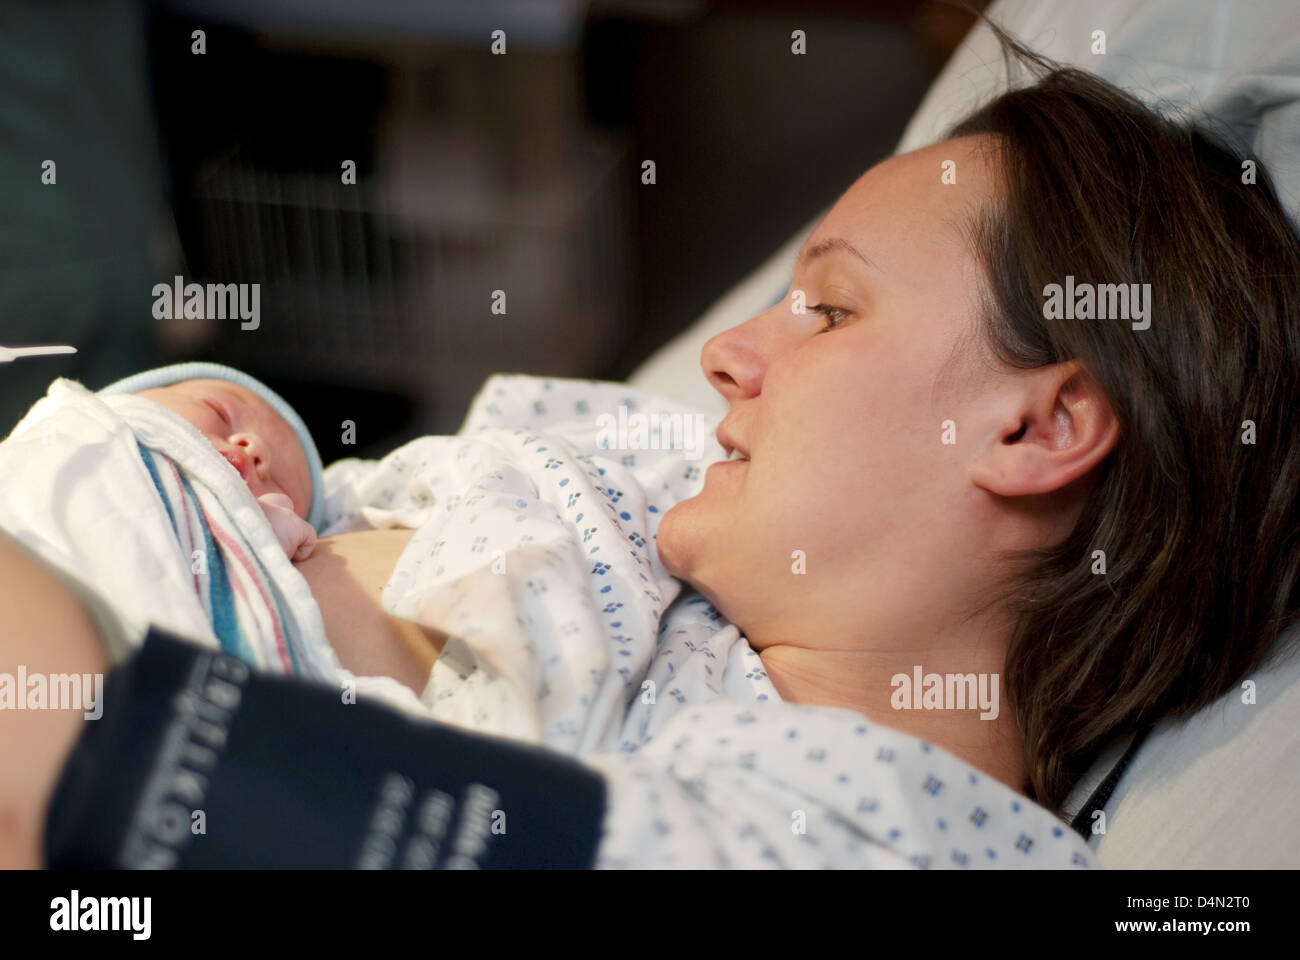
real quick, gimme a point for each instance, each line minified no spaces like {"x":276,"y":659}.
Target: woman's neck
{"x":919,"y":690}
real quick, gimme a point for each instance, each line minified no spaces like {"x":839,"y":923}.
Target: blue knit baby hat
{"x":166,"y":376}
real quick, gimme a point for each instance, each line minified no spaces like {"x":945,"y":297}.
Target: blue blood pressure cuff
{"x":198,"y":761}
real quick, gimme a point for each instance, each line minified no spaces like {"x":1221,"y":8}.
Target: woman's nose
{"x":735,"y":360}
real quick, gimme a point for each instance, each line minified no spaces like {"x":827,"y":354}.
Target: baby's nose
{"x":257,"y":451}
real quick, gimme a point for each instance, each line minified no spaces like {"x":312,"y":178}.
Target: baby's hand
{"x":295,"y":534}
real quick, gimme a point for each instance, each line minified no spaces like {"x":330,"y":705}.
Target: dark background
{"x":475,"y":173}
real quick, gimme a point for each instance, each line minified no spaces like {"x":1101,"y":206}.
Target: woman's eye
{"x":834,"y":315}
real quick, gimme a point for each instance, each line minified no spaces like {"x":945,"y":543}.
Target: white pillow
{"x":1237,"y":61}
{"x":1216,"y":790}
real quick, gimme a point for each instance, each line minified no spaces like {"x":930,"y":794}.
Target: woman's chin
{"x":682,"y":541}
{"x":678,"y":531}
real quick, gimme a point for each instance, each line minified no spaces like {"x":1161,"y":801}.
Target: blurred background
{"x":475,"y":172}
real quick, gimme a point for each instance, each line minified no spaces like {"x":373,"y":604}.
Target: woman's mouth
{"x":730,"y":465}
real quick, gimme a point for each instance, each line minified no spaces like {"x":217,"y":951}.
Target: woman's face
{"x":849,"y":477}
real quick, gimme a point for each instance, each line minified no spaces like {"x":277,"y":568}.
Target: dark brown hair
{"x":1199,"y":529}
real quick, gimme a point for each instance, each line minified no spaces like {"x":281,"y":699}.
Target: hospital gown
{"x":535,"y":551}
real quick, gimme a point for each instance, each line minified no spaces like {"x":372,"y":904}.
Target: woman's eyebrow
{"x":823,"y":247}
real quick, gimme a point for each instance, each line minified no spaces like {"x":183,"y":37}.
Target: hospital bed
{"x":1216,"y":790}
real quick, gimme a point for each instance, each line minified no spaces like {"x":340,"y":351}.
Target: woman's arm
{"x":347,"y":574}
{"x":45,"y":629}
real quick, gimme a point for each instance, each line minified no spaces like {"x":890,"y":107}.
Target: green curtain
{"x":77,"y":258}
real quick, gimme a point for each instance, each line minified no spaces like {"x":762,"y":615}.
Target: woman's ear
{"x":1054,"y":428}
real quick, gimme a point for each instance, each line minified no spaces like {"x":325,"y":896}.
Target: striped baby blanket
{"x":248,"y":611}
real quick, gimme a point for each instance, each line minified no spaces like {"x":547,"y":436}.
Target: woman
{"x":946,"y":472}
{"x":1112,"y":526}
{"x":940,"y":474}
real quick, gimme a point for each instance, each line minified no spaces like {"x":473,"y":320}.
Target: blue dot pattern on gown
{"x":535,"y":551}
{"x":729,"y":787}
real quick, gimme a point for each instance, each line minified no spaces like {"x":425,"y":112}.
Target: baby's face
{"x":244,"y":429}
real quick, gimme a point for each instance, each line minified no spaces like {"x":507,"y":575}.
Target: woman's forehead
{"x":934,"y":188}
{"x":910,"y":215}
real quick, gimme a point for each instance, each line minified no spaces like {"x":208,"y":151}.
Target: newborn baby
{"x":259,"y":444}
